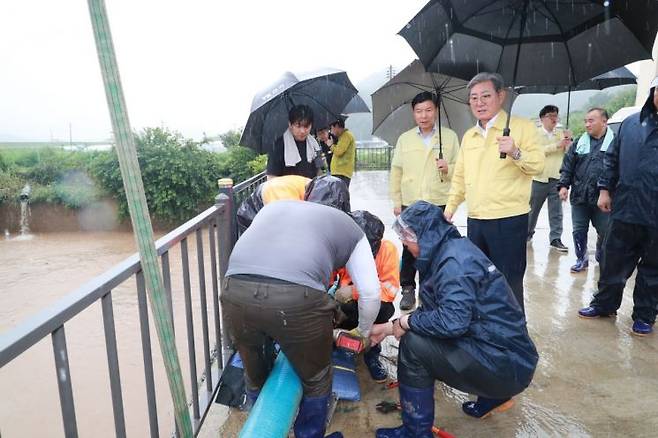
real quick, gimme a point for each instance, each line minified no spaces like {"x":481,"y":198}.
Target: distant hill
{"x":361,"y":124}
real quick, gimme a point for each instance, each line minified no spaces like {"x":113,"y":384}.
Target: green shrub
{"x":179,"y":177}
{"x":10,"y":187}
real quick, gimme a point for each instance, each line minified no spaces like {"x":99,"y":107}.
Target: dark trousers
{"x":408,"y":265}
{"x":504,"y":242}
{"x":582,"y":215}
{"x":424,"y":359}
{"x":540,"y":192}
{"x":299,"y":318}
{"x":345,"y":179}
{"x":351,"y":312}
{"x":629,"y":246}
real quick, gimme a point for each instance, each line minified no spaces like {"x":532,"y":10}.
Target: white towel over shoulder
{"x":291,"y":153}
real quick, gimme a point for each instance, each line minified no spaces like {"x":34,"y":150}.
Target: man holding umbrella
{"x":295,"y":152}
{"x":421,"y":170}
{"x":497,"y":189}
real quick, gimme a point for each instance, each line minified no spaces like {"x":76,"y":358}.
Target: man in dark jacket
{"x":581,"y":169}
{"x":469,"y":331}
{"x":629,"y":188}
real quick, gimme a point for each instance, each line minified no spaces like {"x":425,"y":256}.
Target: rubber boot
{"x":312,"y":418}
{"x":250,"y":399}
{"x":580,"y":244}
{"x":417,"y":414}
{"x":375,"y":367}
{"x":484,"y":407}
{"x":408,"y":300}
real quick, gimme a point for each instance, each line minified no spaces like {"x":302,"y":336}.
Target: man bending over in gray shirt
{"x":276,"y":285}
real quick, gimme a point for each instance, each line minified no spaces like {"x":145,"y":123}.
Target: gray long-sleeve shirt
{"x":303,"y":243}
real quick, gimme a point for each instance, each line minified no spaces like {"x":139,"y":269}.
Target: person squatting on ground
{"x":275,"y":287}
{"x":296,"y":152}
{"x":497,"y":191}
{"x":468,"y":332}
{"x":554,"y":143}
{"x":387,"y":262}
{"x":581,"y":169}
{"x":629,"y":188}
{"x":418,"y":172}
{"x":343,"y":151}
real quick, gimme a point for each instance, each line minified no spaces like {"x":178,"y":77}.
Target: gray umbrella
{"x":391,"y":103}
{"x":327,"y":92}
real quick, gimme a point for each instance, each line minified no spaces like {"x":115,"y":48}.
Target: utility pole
{"x":390,"y":72}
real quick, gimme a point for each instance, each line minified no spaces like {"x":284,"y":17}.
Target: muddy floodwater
{"x":34,"y":273}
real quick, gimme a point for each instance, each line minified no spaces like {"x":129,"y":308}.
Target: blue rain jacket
{"x":465,"y":298}
{"x":631,"y":168}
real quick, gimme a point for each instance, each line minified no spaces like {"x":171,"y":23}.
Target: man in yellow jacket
{"x":421,"y":170}
{"x":497,"y":190}
{"x":554,"y":142}
{"x":343,"y":151}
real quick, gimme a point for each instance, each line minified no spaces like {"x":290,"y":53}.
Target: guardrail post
{"x":226,"y":236}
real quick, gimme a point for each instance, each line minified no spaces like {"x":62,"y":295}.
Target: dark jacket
{"x":276,"y":165}
{"x":465,"y":298}
{"x":631,"y":168}
{"x":581,"y":172}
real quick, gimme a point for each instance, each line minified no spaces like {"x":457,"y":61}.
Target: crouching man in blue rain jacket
{"x":469,"y":331}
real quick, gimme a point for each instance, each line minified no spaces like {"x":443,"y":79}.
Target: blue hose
{"x":274,"y":411}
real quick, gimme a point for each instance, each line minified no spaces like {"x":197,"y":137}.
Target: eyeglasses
{"x":551,"y":116}
{"x":484,"y":98}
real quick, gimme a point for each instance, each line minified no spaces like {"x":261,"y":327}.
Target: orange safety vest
{"x":388,"y":271}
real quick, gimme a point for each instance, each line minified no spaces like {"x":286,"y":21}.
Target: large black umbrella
{"x":616,"y":77}
{"x":532,"y":42}
{"x":327,"y":92}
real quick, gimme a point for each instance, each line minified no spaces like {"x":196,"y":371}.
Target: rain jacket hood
{"x":328,"y":190}
{"x":466,"y":299}
{"x":431,"y":228}
{"x":372,"y":226}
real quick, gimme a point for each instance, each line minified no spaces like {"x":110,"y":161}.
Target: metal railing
{"x":219,"y":224}
{"x":378,"y":158}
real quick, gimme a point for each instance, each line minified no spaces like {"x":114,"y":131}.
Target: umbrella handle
{"x":506,"y":132}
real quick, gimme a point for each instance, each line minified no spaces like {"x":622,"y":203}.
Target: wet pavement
{"x":594,"y":378}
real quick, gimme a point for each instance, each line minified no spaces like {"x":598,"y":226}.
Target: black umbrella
{"x":616,"y":77}
{"x":560,"y":41}
{"x":327,"y":92}
{"x":356,"y":105}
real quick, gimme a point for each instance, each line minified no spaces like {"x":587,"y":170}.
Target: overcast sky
{"x":192,"y":66}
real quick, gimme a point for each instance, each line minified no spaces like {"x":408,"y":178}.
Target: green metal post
{"x":139,"y":215}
